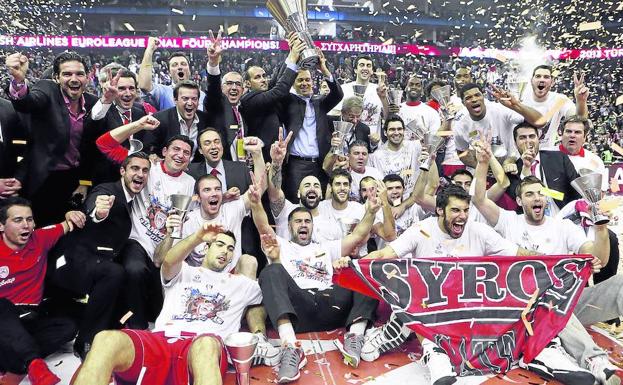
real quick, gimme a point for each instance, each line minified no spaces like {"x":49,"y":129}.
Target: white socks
{"x":359,"y":327}
{"x":286,"y":333}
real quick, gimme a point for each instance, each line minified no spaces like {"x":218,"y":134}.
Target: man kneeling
{"x":202,"y":305}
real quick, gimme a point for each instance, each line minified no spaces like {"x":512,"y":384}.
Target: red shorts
{"x":165,"y":359}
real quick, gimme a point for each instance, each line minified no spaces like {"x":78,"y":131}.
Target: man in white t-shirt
{"x":551,"y":236}
{"x":203,"y":305}
{"x":142,"y":290}
{"x":413,"y":110}
{"x":297,"y":285}
{"x":447,"y":234}
{"x":397,"y":156}
{"x":373,"y":104}
{"x":489,"y":120}
{"x":554,"y":105}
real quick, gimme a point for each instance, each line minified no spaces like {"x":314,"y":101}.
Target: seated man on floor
{"x":297,"y":285}
{"x":202,"y":306}
{"x":29,"y":330}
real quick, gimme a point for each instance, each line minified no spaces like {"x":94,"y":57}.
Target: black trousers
{"x":312,"y":310}
{"x":35,"y":335}
{"x":142,"y":288}
{"x":613,"y":263}
{"x":102,"y":280}
{"x":294,"y":172}
{"x":51,"y":201}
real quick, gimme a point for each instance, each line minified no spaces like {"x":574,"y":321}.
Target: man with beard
{"x":30,"y":330}
{"x":297,"y":285}
{"x":58,"y":110}
{"x":374,"y":96}
{"x":554,"y":105}
{"x":553,"y":168}
{"x":120,"y":91}
{"x":259,"y":106}
{"x":397,"y":156}
{"x":87,"y":260}
{"x":449,"y":233}
{"x":357,"y":165}
{"x":413,"y":110}
{"x":492,"y":120}
{"x":182,"y":119}
{"x":142,"y":289}
{"x":551,"y":236}
{"x":223,"y":101}
{"x":179,"y":69}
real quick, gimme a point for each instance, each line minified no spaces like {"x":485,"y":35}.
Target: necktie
{"x":214,"y":172}
{"x":126,"y":117}
{"x":533,"y":167}
{"x":236,"y":114}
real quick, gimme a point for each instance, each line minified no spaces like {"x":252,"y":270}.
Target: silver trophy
{"x":135,"y":146}
{"x":292,"y":16}
{"x":516,"y":87}
{"x":394,"y":96}
{"x":179,"y":205}
{"x":359,"y":90}
{"x":241,"y":347}
{"x":343,"y":129}
{"x":417,"y":128}
{"x":589,"y":187}
{"x":348,"y":225}
{"x":431,"y":143}
{"x":442,"y":96}
{"x":497,"y":147}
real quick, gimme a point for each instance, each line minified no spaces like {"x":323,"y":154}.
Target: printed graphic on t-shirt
{"x":202,"y":306}
{"x":370,"y":113}
{"x":316,"y":271}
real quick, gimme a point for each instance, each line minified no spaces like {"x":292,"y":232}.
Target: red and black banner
{"x":485,"y":312}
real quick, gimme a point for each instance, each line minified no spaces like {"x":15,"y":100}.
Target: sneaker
{"x":292,"y":360}
{"x":603,"y":370}
{"x":351,"y":349}
{"x":265,"y":353}
{"x":380,"y":340}
{"x":438,"y":363}
{"x":554,"y":362}
{"x":40,"y":374}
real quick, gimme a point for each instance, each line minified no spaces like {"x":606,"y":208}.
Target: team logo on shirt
{"x":203,"y":306}
{"x":316,"y":271}
{"x":4,"y":272}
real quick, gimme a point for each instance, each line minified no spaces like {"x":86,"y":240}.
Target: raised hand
{"x":75,"y":218}
{"x":580,"y":90}
{"x":209,"y":231}
{"x":323,"y":63}
{"x":215,"y":49}
{"x":252,"y":144}
{"x":528,"y":157}
{"x":381,"y":91}
{"x":103,"y":204}
{"x":381,"y":191}
{"x":375,"y":138}
{"x":109,"y":89}
{"x":373,"y":204}
{"x":153,"y":43}
{"x":279,"y":149}
{"x":231,"y":194}
{"x":9,"y":187}
{"x":148,"y":122}
{"x":270,"y":246}
{"x":174,"y":221}
{"x":254,"y":193}
{"x":483,"y":151}
{"x":17,"y":65}
{"x":506,"y":98}
{"x":296,"y":47}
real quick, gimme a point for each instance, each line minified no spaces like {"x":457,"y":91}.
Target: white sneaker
{"x":265,"y":353}
{"x":603,"y":370}
{"x":380,"y":340}
{"x":438,"y":362}
{"x":554,"y":362}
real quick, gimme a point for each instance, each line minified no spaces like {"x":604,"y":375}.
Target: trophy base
{"x":601,"y":220}
{"x":309,"y":59}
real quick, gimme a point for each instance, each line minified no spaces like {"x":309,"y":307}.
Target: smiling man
{"x":414,"y":110}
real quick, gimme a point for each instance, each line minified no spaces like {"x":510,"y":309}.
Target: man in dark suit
{"x":553,"y":168}
{"x":352,"y":108}
{"x":117,"y":106}
{"x":11,"y":128}
{"x":305,"y":116}
{"x":89,"y":260}
{"x":58,"y":110}
{"x":183,"y":119}
{"x":258,"y":107}
{"x":222,"y":101}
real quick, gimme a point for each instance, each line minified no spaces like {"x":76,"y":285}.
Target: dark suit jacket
{"x":557,"y":172}
{"x":101,"y":169}
{"x":50,"y":128}
{"x":292,"y":111}
{"x":12,"y":128}
{"x":236,"y":174}
{"x":259,"y":110}
{"x":96,"y":241}
{"x":362,"y":131}
{"x":154,"y":141}
{"x":220,"y":113}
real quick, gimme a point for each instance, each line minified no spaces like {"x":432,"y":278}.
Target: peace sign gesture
{"x":279,"y":149}
{"x":109,"y":88}
{"x":580,"y":90}
{"x":254,"y":193}
{"x":215,"y":49}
